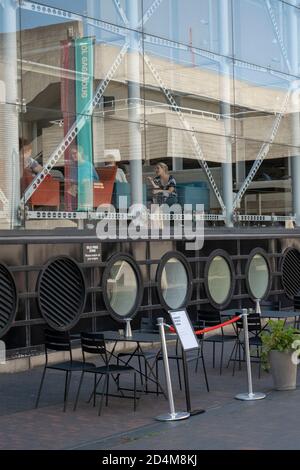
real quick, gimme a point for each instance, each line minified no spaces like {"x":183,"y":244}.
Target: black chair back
{"x":207,"y":318}
{"x":147,"y":325}
{"x":57,"y":341}
{"x":93,"y":343}
{"x":254,"y":324}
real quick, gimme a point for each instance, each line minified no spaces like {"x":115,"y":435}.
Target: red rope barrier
{"x":211,"y":328}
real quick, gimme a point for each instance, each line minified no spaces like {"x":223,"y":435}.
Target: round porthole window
{"x":219,"y":279}
{"x":174,"y":280}
{"x":258,"y":275}
{"x":122,"y":287}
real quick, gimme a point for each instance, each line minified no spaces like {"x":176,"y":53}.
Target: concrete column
{"x":135,"y":138}
{"x":9,"y":119}
{"x":225,"y":99}
{"x":177,"y":162}
{"x":293,"y":50}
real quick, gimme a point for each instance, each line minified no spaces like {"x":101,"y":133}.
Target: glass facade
{"x":95,"y":93}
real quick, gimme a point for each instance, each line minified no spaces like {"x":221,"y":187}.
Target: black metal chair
{"x":60,"y":341}
{"x":146,"y":326}
{"x":94,"y":343}
{"x":206,"y":319}
{"x":254,"y":330}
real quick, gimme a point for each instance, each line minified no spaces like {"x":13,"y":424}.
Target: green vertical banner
{"x":84,"y":61}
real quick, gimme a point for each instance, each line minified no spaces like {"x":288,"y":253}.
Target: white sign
{"x":184,"y":329}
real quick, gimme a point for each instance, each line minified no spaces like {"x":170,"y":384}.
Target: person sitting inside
{"x":113,"y":160}
{"x":86,"y":168}
{"x":163,"y":186}
{"x":28,"y":163}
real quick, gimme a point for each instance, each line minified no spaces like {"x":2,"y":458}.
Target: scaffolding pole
{"x":9,"y":119}
{"x":292,"y":28}
{"x":135,"y":138}
{"x":225,"y":97}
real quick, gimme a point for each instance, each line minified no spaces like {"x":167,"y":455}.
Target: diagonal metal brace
{"x":262,"y":154}
{"x":76,"y":127}
{"x":191,"y":132}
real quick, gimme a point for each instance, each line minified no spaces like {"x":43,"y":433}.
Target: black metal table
{"x":139,"y":338}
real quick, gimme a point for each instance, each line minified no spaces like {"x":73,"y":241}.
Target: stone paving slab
{"x":23,"y":427}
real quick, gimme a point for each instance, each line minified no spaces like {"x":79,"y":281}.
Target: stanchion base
{"x":173,"y":417}
{"x":250,"y":396}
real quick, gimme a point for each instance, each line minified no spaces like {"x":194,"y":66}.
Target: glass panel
{"x":219,"y":279}
{"x":258,"y":276}
{"x":270,"y":20}
{"x":106,"y":10}
{"x":52,"y":66}
{"x":191,"y":23}
{"x":122,"y":288}
{"x":174,"y":283}
{"x":270,"y":190}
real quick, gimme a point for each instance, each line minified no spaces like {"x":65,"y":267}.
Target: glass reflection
{"x":219,"y":279}
{"x":174,"y":283}
{"x":258,"y":276}
{"x":122,"y":288}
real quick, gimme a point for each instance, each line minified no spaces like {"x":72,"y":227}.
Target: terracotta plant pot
{"x":284,"y":372}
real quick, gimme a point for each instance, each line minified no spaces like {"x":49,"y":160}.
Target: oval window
{"x":122,"y":288}
{"x":258,"y":276}
{"x":174,"y":283}
{"x":219,"y":279}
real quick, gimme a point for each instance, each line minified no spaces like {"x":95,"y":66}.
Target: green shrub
{"x":278,"y":337}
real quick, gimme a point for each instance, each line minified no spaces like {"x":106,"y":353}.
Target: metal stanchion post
{"x":250,"y":395}
{"x":173,"y":415}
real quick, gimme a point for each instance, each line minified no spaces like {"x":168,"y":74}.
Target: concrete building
{"x":209,"y":88}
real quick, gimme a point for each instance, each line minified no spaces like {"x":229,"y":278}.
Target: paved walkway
{"x":272,"y":423}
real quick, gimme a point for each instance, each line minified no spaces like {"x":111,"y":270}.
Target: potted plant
{"x":280,"y":352}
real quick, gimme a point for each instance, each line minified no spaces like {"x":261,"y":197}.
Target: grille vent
{"x":291,"y":272}
{"x":8,"y":299}
{"x":61,"y":293}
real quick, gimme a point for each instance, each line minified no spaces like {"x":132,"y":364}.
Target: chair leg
{"x":232,"y":353}
{"x":67,"y":388}
{"x":156,"y":373}
{"x":40,"y":388}
{"x":78,"y":391}
{"x":221,"y":358}
{"x":107,"y":390}
{"x":102,"y":394}
{"x":259,"y":365}
{"x":205,"y":374}
{"x":178,"y":372}
{"x":95,"y":386}
{"x":146,"y":376}
{"x":134,"y":397}
{"x":235,"y":357}
{"x":214,"y":354}
{"x":197,"y":361}
{"x":140,"y":369}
